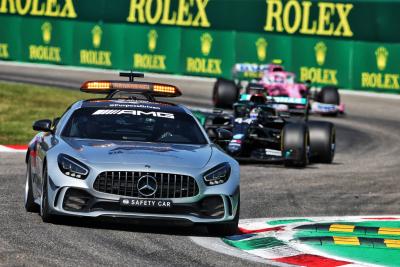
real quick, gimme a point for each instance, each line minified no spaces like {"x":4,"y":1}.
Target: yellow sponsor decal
{"x":341,"y":228}
{"x":293,"y":16}
{"x":95,"y":57}
{"x":47,"y":8}
{"x":186,"y":13}
{"x":341,"y":240}
{"x":4,"y":51}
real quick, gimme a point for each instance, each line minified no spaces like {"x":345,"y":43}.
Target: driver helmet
{"x":254,"y":113}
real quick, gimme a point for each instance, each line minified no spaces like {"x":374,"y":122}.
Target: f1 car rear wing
{"x":249,"y":71}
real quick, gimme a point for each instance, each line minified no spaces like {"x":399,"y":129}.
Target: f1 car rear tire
{"x":44,"y":207}
{"x":322,"y":141}
{"x":225,"y":93}
{"x":29,"y":203}
{"x":330,"y":95}
{"x":295,"y":145}
{"x":225,"y":228}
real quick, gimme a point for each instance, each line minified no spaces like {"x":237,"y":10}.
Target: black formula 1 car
{"x":262,"y":130}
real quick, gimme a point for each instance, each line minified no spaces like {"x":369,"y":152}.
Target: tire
{"x":44,"y":207}
{"x":295,"y":145}
{"x":225,"y":93}
{"x":329,"y":95}
{"x":226,"y":228}
{"x":29,"y":201}
{"x":322,"y":141}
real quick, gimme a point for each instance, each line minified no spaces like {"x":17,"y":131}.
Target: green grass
{"x":22,"y":104}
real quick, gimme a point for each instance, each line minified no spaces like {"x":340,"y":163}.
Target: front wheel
{"x":29,"y":201}
{"x":225,"y":93}
{"x":295,"y":145}
{"x":44,"y":207}
{"x":322,"y":141}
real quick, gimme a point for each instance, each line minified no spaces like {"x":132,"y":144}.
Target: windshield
{"x":134,"y":125}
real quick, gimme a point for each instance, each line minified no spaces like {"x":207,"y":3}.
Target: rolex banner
{"x":329,"y":43}
{"x":324,"y":62}
{"x":45,"y":41}
{"x":340,"y":19}
{"x":207,"y":53}
{"x":98,"y":45}
{"x":152,"y":49}
{"x":10,"y":38}
{"x":377,"y":67}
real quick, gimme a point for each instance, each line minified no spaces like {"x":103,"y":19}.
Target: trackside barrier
{"x":329,"y":43}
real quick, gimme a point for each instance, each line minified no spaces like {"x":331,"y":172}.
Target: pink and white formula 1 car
{"x":276,"y":82}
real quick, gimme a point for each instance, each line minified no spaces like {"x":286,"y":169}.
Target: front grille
{"x":124,"y":183}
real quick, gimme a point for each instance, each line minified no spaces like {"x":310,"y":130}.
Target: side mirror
{"x":42,"y":125}
{"x":223,"y":135}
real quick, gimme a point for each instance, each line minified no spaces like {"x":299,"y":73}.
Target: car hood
{"x":121,"y":152}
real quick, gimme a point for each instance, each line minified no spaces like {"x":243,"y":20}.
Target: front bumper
{"x":206,"y":209}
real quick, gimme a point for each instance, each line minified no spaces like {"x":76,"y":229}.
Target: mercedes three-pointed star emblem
{"x":147,"y":185}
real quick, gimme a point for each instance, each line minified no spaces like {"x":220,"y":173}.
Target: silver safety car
{"x":129,"y":155}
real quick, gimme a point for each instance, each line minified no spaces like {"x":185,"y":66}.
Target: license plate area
{"x":145,"y":203}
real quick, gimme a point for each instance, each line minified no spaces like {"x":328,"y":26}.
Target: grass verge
{"x":22,"y":104}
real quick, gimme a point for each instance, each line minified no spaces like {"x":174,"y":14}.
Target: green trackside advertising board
{"x":341,"y":19}
{"x":207,"y":53}
{"x":98,"y":45}
{"x":263,"y":48}
{"x":327,"y":42}
{"x":45,"y":41}
{"x":9,"y":38}
{"x":324,"y":62}
{"x":153,"y":49}
{"x":377,"y":66}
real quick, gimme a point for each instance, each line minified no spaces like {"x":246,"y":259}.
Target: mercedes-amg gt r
{"x":128,"y":155}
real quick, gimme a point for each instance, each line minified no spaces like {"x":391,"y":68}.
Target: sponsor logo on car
{"x":134,"y":113}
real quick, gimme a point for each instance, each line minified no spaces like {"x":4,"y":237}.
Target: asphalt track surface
{"x":363,"y":180}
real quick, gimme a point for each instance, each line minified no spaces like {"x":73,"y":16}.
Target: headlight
{"x":72,"y":167}
{"x":217,"y":175}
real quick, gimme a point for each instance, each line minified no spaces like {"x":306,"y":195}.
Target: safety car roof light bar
{"x":148,"y":89}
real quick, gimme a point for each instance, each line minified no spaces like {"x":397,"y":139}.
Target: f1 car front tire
{"x":322,"y":141}
{"x":29,"y":202}
{"x":295,"y":145}
{"x":44,"y":207}
{"x":225,"y":93}
{"x":329,"y":95}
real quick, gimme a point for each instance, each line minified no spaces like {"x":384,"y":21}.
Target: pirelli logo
{"x":134,"y":113}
